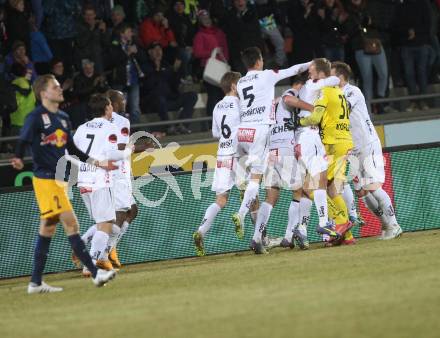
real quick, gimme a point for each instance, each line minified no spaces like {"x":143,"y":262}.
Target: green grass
{"x":373,"y":289}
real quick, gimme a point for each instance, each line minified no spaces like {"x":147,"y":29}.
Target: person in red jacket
{"x":206,"y":39}
{"x":156,"y":29}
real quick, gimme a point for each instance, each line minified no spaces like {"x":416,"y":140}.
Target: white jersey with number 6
{"x":225,"y":121}
{"x":362,"y":129}
{"x":97,"y":138}
{"x":256,"y":91}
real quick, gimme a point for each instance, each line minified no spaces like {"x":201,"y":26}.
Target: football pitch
{"x":372,"y":289}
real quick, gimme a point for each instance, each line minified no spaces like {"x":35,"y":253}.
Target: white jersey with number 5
{"x":98,"y":139}
{"x":225,"y":121}
{"x":362,"y":129}
{"x":256,"y":91}
{"x":123,"y":126}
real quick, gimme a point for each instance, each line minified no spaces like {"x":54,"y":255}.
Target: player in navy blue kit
{"x":47,"y":131}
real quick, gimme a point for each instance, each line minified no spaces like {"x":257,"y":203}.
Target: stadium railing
{"x":164,"y":231}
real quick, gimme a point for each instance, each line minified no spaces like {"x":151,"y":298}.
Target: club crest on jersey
{"x":246,"y":135}
{"x":46,"y":121}
{"x":125,"y":131}
{"x":112,"y":138}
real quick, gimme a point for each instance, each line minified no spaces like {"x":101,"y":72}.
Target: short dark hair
{"x":341,"y":68}
{"x":250,"y":56}
{"x":121,"y":28}
{"x":97,"y":104}
{"x":40,"y":84}
{"x":88,"y":7}
{"x":299,"y":78}
{"x":322,"y":65}
{"x":228,"y":79}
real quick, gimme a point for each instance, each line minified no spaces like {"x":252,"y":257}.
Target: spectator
{"x":24,"y":95}
{"x":268,"y":15}
{"x":38,"y":11}
{"x":331,"y":16}
{"x":242,"y":31}
{"x":85,"y":84}
{"x":184,"y":31}
{"x":92,"y":39}
{"x":40,"y":51}
{"x":57,"y":69}
{"x":304,"y":23}
{"x":125,"y":68}
{"x":207,"y":38}
{"x":191,"y":9}
{"x":8,"y":104}
{"x":60,"y":28}
{"x":161,"y":90}
{"x":156,"y":29}
{"x":19,"y":55}
{"x":413,"y":23}
{"x":117,"y":18}
{"x":216,"y":8}
{"x":3,"y":38}
{"x":17,"y":26}
{"x":363,"y":36}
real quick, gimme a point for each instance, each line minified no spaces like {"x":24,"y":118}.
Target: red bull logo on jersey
{"x":58,"y":138}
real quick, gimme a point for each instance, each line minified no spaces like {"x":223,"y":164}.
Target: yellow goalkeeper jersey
{"x":331,"y":114}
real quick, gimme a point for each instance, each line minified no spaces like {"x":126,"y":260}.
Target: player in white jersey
{"x":225,"y":121}
{"x":367,"y":160}
{"x":99,"y":138}
{"x":311,"y":152}
{"x":256,"y":91}
{"x":125,"y":205}
{"x":283,"y":170}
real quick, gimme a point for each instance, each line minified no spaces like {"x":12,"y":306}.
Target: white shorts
{"x":367,"y":165}
{"x":310,"y":153}
{"x":253,"y":146}
{"x":283,"y":170}
{"x":224,"y":174}
{"x":123,"y":194}
{"x":100,"y":204}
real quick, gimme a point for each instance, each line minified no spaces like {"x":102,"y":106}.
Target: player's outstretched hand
{"x":107,"y":165}
{"x":17,"y":163}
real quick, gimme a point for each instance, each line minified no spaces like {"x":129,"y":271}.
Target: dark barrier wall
{"x":165,"y":231}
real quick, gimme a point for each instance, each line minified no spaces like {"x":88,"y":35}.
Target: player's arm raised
{"x":289,"y":72}
{"x":330,"y":81}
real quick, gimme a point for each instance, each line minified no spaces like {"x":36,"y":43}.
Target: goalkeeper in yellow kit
{"x":331,"y":114}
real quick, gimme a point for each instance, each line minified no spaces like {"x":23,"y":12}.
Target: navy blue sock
{"x":81,"y":252}
{"x":41,"y":252}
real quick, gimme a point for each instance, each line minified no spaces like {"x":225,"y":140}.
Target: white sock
{"x":124,"y":228}
{"x":293,"y":219}
{"x":113,"y":238}
{"x":302,"y":228}
{"x":320,"y":199}
{"x":373,"y":205}
{"x":385,"y":204}
{"x":262,"y":219}
{"x":305,"y":208}
{"x":210,"y":214}
{"x":347,"y":195}
{"x":99,"y":245}
{"x":88,"y":235}
{"x":254,"y":215}
{"x":249,"y":196}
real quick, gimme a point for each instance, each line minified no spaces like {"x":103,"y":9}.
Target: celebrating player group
{"x":302,"y":142}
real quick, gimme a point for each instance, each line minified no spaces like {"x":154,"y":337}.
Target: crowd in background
{"x":154,"y":50}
